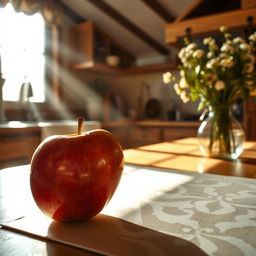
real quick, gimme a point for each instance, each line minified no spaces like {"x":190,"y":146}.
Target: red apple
{"x":74,"y":176}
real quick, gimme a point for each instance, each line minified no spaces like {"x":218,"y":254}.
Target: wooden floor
{"x":184,"y":155}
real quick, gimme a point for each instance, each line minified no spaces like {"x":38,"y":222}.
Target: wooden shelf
{"x":151,"y":68}
{"x":207,"y":24}
{"x":97,"y":68}
{"x":89,"y":46}
{"x":118,"y":71}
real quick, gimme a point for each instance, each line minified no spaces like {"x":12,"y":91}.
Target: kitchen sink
{"x":54,"y":127}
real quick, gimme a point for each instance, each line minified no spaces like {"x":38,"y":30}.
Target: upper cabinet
{"x":209,"y":23}
{"x":90,"y":46}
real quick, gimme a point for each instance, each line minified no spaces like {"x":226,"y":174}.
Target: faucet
{"x":2,"y":114}
{"x":26,"y":93}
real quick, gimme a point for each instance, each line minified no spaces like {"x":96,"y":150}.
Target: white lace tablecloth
{"x":217,"y":213}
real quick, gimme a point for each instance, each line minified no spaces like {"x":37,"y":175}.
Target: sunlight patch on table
{"x":155,"y":183}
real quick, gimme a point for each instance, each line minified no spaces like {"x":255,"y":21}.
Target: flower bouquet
{"x":217,"y":76}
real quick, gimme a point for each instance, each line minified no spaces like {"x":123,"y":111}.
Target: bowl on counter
{"x":113,"y":60}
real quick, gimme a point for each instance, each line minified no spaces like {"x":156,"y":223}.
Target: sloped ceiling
{"x":144,"y":17}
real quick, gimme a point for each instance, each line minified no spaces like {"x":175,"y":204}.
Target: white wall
{"x":129,"y":87}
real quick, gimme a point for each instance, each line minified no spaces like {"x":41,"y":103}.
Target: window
{"x":22,"y":42}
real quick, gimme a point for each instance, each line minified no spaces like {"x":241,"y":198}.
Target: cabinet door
{"x":140,"y":136}
{"x":17,"y":149}
{"x":178,"y":133}
{"x":121,"y":134}
{"x":81,"y":43}
{"x":90,"y":45}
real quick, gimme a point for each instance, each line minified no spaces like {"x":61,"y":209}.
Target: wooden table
{"x":15,"y":201}
{"x":190,"y":170}
{"x":184,"y":154}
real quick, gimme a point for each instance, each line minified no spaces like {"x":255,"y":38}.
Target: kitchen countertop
{"x":150,"y":123}
{"x":25,"y":124}
{"x":8,"y":126}
{"x":104,"y":124}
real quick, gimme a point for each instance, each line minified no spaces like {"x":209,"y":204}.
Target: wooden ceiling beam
{"x":203,"y":8}
{"x":189,"y":10}
{"x":159,"y":10}
{"x":114,"y":14}
{"x":72,"y":15}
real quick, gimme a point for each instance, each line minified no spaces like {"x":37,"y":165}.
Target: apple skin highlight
{"x":74,"y":176}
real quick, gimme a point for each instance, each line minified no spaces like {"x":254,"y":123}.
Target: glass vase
{"x":221,"y":135}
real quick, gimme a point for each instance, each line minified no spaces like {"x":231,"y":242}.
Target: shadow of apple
{"x":104,"y":234}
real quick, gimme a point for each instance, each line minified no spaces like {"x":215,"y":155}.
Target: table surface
{"x":214,"y":212}
{"x":184,"y":154}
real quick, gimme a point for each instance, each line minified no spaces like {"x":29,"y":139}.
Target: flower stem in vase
{"x":220,"y":135}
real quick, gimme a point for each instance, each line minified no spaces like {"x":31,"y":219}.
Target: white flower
{"x":223,"y":29}
{"x":227,"y":63}
{"x":219,"y":85}
{"x":183,"y":83}
{"x":182,"y":53}
{"x":198,"y":53}
{"x":211,"y":63}
{"x":197,"y":69}
{"x":189,"y":54}
{"x":211,"y":43}
{"x":245,"y":47}
{"x":188,"y":64}
{"x":168,"y":77}
{"x":208,"y":40}
{"x":252,"y":37}
{"x":182,"y":73}
{"x":177,"y":89}
{"x":184,"y":62}
{"x":184,"y":96}
{"x":227,"y":48}
{"x":210,"y":55}
{"x":238,"y":40}
{"x":191,"y":47}
{"x":229,"y":42}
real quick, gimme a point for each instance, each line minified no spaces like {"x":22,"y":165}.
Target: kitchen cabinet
{"x":121,"y":134}
{"x":174,"y":133}
{"x":139,"y":133}
{"x":90,"y":46}
{"x":17,"y":145}
{"x":140,"y":136}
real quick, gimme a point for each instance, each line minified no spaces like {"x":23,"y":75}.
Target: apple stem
{"x":80,"y":125}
